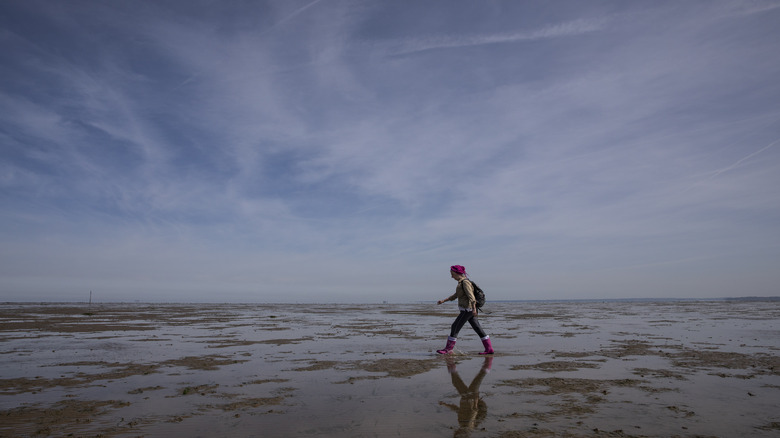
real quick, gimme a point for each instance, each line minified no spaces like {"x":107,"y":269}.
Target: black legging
{"x":460,"y":321}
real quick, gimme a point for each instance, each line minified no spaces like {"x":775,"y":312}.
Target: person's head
{"x":458,"y":272}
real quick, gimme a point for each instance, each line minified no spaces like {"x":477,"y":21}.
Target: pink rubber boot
{"x":488,"y":345}
{"x":450,"y":345}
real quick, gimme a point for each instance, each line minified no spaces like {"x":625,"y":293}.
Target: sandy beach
{"x":569,"y":369}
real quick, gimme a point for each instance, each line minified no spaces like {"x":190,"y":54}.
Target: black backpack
{"x":479,"y":294}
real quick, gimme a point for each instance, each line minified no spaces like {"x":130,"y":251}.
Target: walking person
{"x":467,"y":304}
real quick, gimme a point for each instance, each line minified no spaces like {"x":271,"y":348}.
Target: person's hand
{"x":439,"y":302}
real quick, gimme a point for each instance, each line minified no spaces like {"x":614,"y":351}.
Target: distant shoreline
{"x":579,"y":300}
{"x":639,"y":300}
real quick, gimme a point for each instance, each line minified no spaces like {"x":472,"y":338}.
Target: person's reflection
{"x":472,"y":409}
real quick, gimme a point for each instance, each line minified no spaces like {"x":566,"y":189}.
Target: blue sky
{"x":351,"y":151}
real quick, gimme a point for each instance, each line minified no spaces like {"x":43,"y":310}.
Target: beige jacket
{"x":464,"y":292}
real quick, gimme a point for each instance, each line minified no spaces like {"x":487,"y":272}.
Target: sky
{"x":351,"y":151}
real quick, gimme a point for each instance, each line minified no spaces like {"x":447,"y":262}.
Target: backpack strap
{"x":473,"y":290}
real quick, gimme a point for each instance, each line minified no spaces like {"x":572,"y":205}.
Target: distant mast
{"x":90,"y":298}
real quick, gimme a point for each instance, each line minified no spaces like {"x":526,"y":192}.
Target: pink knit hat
{"x":458,"y":269}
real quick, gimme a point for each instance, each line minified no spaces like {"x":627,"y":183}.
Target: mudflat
{"x":569,"y":369}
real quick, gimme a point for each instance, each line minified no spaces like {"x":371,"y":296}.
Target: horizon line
{"x":385,"y":302}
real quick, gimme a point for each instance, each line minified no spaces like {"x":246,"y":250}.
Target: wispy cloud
{"x":290,"y":16}
{"x":745,"y":158}
{"x":559,"y":30}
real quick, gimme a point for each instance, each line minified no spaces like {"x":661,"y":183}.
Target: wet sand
{"x":612,"y":369}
